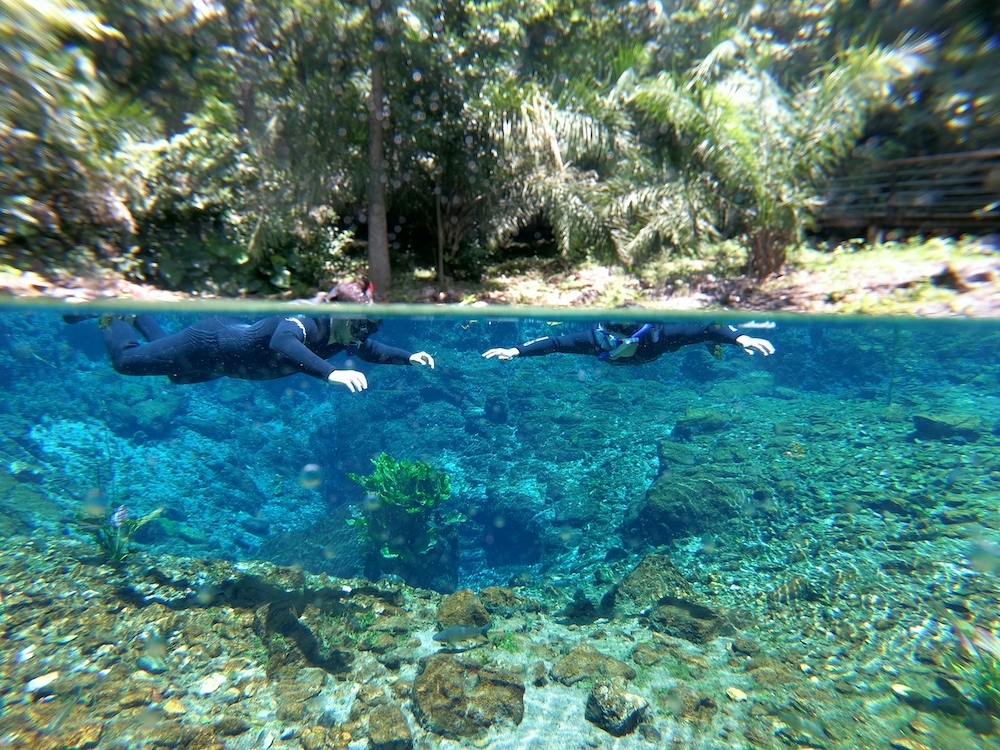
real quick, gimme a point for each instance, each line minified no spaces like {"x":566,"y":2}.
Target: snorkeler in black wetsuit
{"x":264,"y":350}
{"x":634,"y":343}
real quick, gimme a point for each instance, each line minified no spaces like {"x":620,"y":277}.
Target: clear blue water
{"x":860,"y":449}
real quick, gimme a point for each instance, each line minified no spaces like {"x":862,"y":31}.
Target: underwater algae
{"x":830,"y":582}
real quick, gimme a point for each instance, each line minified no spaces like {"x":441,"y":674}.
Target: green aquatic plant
{"x":978,"y":665}
{"x":402,"y":519}
{"x":505,"y":642}
{"x":114,"y":532}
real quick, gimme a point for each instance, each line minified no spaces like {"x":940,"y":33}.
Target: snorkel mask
{"x":352,"y":332}
{"x":616,"y":347}
{"x":363,"y":328}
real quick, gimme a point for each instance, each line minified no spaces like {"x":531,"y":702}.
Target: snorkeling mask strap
{"x":615,"y":348}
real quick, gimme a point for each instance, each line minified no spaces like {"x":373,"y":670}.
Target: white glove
{"x":751,"y":345}
{"x":504,"y":355}
{"x":422,"y":358}
{"x":354,"y":380}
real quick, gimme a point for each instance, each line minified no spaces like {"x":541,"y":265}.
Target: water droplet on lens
{"x":311,"y":476}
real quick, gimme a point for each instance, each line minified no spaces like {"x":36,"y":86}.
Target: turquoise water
{"x":833,"y":505}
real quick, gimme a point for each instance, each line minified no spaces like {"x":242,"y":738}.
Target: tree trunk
{"x":768,"y":252}
{"x":440,"y":233}
{"x":379,"y":270}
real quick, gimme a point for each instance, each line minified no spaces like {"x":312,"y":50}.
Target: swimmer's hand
{"x":354,"y":380}
{"x":751,"y":345}
{"x":422,"y":358}
{"x":504,"y":355}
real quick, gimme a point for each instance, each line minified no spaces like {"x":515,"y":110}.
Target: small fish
{"x":764,"y":324}
{"x":458,"y":633}
{"x":392,"y":578}
{"x":803,"y":726}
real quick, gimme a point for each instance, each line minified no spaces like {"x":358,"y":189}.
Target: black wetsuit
{"x":662,"y":339}
{"x":219,"y":347}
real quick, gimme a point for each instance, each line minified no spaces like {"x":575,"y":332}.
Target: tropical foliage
{"x":268,"y":147}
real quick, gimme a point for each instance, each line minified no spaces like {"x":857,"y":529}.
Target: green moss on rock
{"x":676,"y":508}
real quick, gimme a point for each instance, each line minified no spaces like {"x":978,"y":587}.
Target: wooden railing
{"x":953,"y":192}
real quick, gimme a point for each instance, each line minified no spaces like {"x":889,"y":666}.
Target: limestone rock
{"x":947,"y":427}
{"x":700,"y":422}
{"x":686,"y":704}
{"x":646,"y":655}
{"x":654,"y":578}
{"x":462,"y":608}
{"x":685,"y":619}
{"x":539,"y":674}
{"x":676,"y":507}
{"x":504,"y":602}
{"x":231,"y":726}
{"x":455,"y":699}
{"x":614,"y":709}
{"x":388,"y":730}
{"x":673,"y":455}
{"x":586,"y":662}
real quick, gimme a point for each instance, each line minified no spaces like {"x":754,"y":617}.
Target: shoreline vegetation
{"x":937,"y":277}
{"x":454,"y":153}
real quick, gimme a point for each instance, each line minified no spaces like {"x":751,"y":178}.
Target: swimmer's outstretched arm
{"x":582,"y":342}
{"x":751,"y":345}
{"x":504,"y":355}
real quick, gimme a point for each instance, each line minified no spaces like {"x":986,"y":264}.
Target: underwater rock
{"x":23,"y":506}
{"x":155,"y":417}
{"x":646,"y":655}
{"x":151,"y":663}
{"x":947,"y":427}
{"x":685,"y":619}
{"x":504,"y":602}
{"x":377,"y":643}
{"x":580,"y":610}
{"x":686,"y":704}
{"x":676,"y":507}
{"x":672,"y":454}
{"x":230,"y":726}
{"x":539,"y":674}
{"x":462,"y":608}
{"x":653,"y":578}
{"x":369,"y":696}
{"x":585,"y":663}
{"x":495,"y":409}
{"x":455,"y":699}
{"x":700,"y":422}
{"x":388,"y":730}
{"x":319,"y":638}
{"x":613,"y":709}
{"x":745,"y":646}
{"x":771,"y":673}
{"x":794,"y":589}
{"x":893,"y":414}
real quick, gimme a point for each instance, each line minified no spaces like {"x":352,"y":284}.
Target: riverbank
{"x":936,"y":278}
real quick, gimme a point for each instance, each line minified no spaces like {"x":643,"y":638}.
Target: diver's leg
{"x":193,"y":350}
{"x":149,"y":327}
{"x":74,"y":318}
